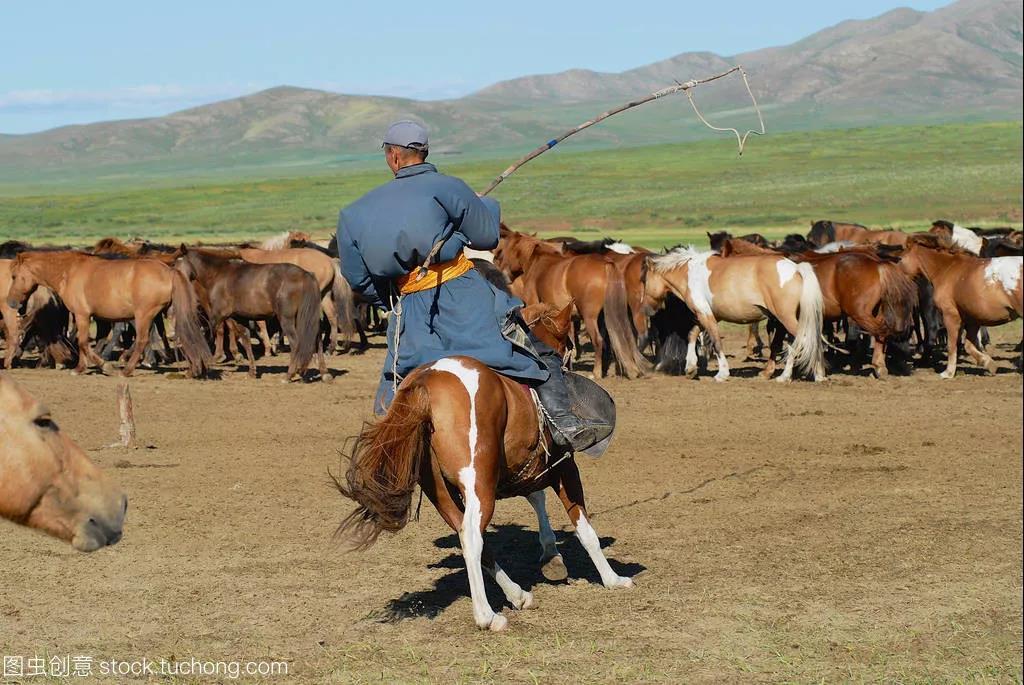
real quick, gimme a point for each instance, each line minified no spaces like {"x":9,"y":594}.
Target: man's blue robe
{"x":388,"y":232}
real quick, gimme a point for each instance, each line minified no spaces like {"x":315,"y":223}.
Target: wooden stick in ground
{"x":679,"y":87}
{"x":127,"y":413}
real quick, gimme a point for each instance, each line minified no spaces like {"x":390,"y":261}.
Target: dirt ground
{"x":850,"y":530}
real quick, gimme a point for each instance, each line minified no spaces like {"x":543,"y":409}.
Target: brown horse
{"x":46,"y":480}
{"x":969,"y":291}
{"x":469,"y":437}
{"x":825,"y":232}
{"x":873,"y":292}
{"x":232,"y":291}
{"x":744,"y":289}
{"x":541,"y":272}
{"x":115,"y":290}
{"x":338,"y":304}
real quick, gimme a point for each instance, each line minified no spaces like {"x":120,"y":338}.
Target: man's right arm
{"x":353,"y":268}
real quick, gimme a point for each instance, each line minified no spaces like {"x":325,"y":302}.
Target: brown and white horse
{"x":46,"y":480}
{"x":969,"y":291}
{"x":116,"y":290}
{"x":468,"y":436}
{"x":744,"y":289}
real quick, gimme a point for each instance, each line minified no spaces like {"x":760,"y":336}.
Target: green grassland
{"x":902,"y":176}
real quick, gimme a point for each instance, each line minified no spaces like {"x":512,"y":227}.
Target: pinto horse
{"x":469,"y":437}
{"x":824,"y":232}
{"x":232,"y":291}
{"x":46,"y":480}
{"x":745,"y":289}
{"x":969,"y":291}
{"x":541,"y":272}
{"x":115,"y":290}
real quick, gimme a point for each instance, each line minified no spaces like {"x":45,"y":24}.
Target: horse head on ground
{"x":46,"y":480}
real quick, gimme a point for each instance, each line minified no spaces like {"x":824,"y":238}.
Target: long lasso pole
{"x":677,"y":88}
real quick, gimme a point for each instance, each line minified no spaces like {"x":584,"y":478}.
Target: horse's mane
{"x":11,"y":249}
{"x":283,"y":240}
{"x":938,"y":244}
{"x":677,"y":257}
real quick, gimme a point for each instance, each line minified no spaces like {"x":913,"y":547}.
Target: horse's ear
{"x":183,"y":249}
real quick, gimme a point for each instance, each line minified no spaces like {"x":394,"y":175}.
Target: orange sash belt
{"x":436,"y":274}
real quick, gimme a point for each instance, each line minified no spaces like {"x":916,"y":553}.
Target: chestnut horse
{"x":969,"y":291}
{"x":115,"y":290}
{"x":824,"y":232}
{"x":745,"y":289}
{"x":873,"y":292}
{"x":232,"y":290}
{"x":46,"y":480}
{"x":541,"y":272}
{"x":469,"y":437}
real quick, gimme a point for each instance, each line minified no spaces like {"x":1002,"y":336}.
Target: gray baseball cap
{"x":406,"y":134}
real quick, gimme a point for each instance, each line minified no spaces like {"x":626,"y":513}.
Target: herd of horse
{"x":464,"y":434}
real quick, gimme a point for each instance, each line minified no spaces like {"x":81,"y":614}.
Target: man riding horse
{"x":444,"y":308}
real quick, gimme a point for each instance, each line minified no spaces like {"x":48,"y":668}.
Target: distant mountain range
{"x":961,"y":62}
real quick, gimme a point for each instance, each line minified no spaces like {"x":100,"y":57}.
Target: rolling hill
{"x":962,"y":62}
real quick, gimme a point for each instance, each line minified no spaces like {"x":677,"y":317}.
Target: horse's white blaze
{"x":787,"y":270}
{"x":588,"y":538}
{"x":621,"y":248}
{"x":471,"y":535}
{"x":967,"y":239}
{"x":1005,"y":271}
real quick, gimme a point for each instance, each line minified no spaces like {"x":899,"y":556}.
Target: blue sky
{"x":77,"y":62}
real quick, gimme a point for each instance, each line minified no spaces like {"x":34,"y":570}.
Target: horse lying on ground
{"x":745,"y":289}
{"x":468,"y":436}
{"x":115,"y":290}
{"x":969,"y":291}
{"x":46,"y":480}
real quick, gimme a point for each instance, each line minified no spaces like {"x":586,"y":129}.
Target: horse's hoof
{"x":621,"y":582}
{"x":691,"y":373}
{"x":498,"y":623}
{"x":526,"y":602}
{"x":783,"y":379}
{"x":947,"y":374}
{"x":990,"y":368}
{"x":721,"y":379}
{"x":326,"y":378}
{"x":554,"y":569}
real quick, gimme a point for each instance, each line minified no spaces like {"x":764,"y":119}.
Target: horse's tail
{"x":384,"y":467}
{"x":620,"y":328}
{"x":808,"y":350}
{"x":187,"y":330}
{"x":307,"y":324}
{"x":344,"y":304}
{"x":897,"y":300}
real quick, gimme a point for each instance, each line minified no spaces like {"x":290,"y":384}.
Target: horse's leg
{"x":143,"y":320}
{"x":951,"y":319}
{"x":710,"y":326}
{"x":261,"y":327}
{"x":878,"y":358}
{"x":691,"y":352}
{"x":469,"y":521}
{"x":10,"y":318}
{"x":578,"y":349}
{"x":788,"y":324}
{"x":233,"y":330}
{"x":754,"y":343}
{"x":85,"y":352}
{"x":774,"y":350}
{"x":514,"y":593}
{"x":327,"y":305}
{"x":570,"y":491}
{"x":590,"y":323}
{"x":551,"y":564}
{"x":321,"y":361}
{"x":972,"y":343}
{"x":219,"y":333}
{"x":161,"y":331}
